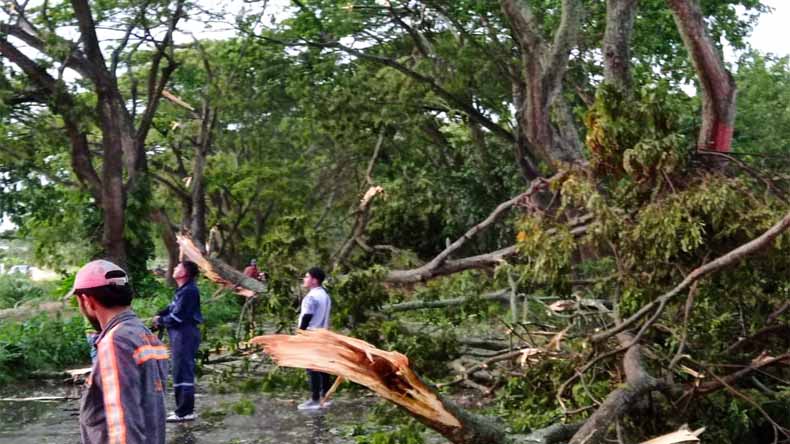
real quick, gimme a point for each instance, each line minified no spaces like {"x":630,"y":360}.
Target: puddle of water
{"x":275,"y":420}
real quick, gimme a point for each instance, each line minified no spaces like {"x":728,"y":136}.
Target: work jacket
{"x":185,"y":308}
{"x":124,"y":401}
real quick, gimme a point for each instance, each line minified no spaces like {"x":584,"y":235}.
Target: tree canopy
{"x":577,"y":159}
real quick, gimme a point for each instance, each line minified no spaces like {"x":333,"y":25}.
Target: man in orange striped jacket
{"x":124,"y":402}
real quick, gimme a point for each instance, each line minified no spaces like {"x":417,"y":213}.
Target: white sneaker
{"x":175,"y":418}
{"x":309,"y":405}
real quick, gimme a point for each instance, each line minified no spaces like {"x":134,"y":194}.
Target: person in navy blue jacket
{"x":181,"y":318}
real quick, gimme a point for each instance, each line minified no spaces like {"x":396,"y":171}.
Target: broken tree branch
{"x":386,"y":373}
{"x":637,"y":383}
{"x":220,"y":272}
{"x":434,"y":266}
{"x":755,"y":245}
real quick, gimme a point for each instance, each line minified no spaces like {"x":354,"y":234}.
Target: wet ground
{"x":224,"y":419}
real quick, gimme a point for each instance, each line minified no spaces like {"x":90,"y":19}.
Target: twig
{"x":776,"y":427}
{"x":778,"y":192}
{"x":686,"y":314}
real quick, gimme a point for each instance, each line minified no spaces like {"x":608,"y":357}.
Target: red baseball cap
{"x":99,"y":273}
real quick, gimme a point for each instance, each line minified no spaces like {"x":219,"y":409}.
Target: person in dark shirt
{"x":124,"y":397}
{"x":181,"y":318}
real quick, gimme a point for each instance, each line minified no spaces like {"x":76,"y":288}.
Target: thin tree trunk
{"x":617,"y":43}
{"x":169,"y":240}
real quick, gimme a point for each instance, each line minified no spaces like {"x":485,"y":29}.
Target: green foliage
{"x":388,"y":424}
{"x":408,"y":434}
{"x":243,"y":407}
{"x":763,"y":93}
{"x":356,"y":295}
{"x":41,"y":343}
{"x":636,"y":136}
{"x":547,"y":251}
{"x":17,"y":289}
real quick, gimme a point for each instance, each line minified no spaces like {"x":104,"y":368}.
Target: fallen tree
{"x":389,"y":375}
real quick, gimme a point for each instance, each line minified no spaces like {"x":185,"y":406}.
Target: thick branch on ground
{"x":501,"y":295}
{"x":556,"y":433}
{"x":718,"y":86}
{"x":386,"y":373}
{"x":637,"y":384}
{"x":218,"y":271}
{"x":523,"y":354}
{"x":734,"y":256}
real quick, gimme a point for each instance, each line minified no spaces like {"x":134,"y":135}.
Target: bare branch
{"x":440,"y":265}
{"x":619,"y":401}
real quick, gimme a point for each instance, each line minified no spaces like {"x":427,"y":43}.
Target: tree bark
{"x":620,"y":16}
{"x":718,"y":88}
{"x":637,"y":384}
{"x":544,"y":67}
{"x":169,"y":240}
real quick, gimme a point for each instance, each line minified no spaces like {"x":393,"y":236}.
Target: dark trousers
{"x":319,"y":384}
{"x":184,"y":343}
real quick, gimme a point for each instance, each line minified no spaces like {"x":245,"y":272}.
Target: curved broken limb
{"x":386,"y":373}
{"x":218,"y":271}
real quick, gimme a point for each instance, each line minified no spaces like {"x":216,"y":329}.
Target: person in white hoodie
{"x":314,"y":314}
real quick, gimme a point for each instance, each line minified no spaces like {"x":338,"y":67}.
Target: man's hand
{"x":155,"y":323}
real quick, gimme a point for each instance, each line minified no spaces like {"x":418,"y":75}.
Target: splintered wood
{"x":217,"y":271}
{"x":386,"y":373}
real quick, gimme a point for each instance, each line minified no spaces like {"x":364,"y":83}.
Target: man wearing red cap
{"x":124,"y":401}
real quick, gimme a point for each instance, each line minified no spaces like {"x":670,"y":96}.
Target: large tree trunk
{"x":717,"y":85}
{"x":544,"y":67}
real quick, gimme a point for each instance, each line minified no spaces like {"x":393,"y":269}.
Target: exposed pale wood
{"x":680,"y":436}
{"x":386,"y":373}
{"x":220,"y":272}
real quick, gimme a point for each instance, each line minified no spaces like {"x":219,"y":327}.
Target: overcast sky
{"x":770,"y":35}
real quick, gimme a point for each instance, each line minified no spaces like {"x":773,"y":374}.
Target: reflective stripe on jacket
{"x":185,"y":307}
{"x":124,"y":401}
